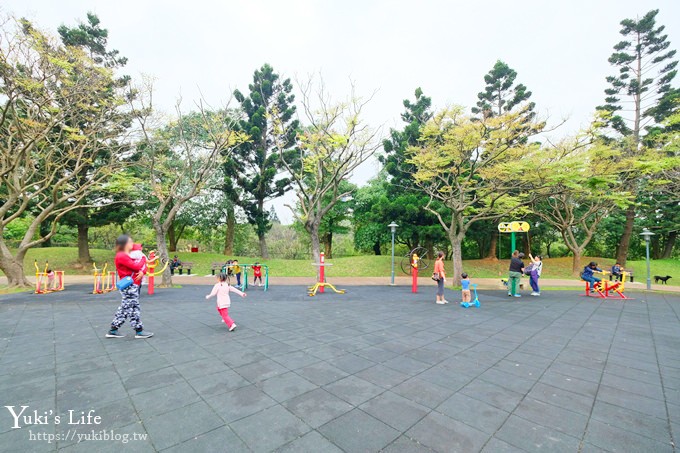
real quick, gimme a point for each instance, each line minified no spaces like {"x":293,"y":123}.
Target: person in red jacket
{"x":126,"y":266}
{"x":257,"y":273}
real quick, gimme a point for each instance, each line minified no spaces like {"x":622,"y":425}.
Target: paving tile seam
{"x":663,"y":387}
{"x":574,"y":306}
{"x":599,"y":384}
{"x":127,"y":393}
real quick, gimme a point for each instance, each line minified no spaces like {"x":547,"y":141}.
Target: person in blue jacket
{"x":588,"y":276}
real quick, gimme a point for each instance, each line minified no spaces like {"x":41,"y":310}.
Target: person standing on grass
{"x":222,"y":290}
{"x":129,"y":306}
{"x":515,"y":273}
{"x":535,"y":274}
{"x":441,"y":274}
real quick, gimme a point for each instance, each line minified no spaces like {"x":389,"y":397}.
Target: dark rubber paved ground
{"x":376,"y":369}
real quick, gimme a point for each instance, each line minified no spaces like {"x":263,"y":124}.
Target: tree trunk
{"x":264,"y":251}
{"x":229,"y":236}
{"x":172,"y":238}
{"x":83,"y":244}
{"x":493,"y":245}
{"x":162,"y":248}
{"x":547,"y":249}
{"x":527,"y":244}
{"x":624,"y":243}
{"x":313,"y":230}
{"x":456,"y":257}
{"x":576,"y":262}
{"x":429,"y":246}
{"x":328,"y":245}
{"x":668,"y":246}
{"x":13,"y":267}
{"x":655,"y":247}
{"x":376,"y":248}
{"x":45,"y":228}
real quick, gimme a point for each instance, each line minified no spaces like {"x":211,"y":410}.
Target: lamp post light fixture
{"x":393,"y":228}
{"x":648,"y":237}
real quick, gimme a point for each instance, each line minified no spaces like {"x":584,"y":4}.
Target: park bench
{"x":629,"y":270}
{"x":188,"y":265}
{"x":216,"y":267}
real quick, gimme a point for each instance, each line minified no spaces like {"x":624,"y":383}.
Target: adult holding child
{"x":130,"y":278}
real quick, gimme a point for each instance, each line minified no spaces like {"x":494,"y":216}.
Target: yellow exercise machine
{"x":48,"y":281}
{"x":321,"y":285}
{"x":103,"y":282}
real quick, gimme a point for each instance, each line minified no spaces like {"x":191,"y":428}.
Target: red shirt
{"x":257,"y":271}
{"x":126,"y":266}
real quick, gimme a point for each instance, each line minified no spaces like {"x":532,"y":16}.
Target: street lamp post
{"x":393,"y":228}
{"x":648,"y":237}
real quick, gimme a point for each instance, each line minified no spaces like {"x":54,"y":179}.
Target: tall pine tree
{"x":501,"y":93}
{"x":93,"y":39}
{"x":639,"y":96}
{"x":417,"y":227}
{"x":256,"y":167}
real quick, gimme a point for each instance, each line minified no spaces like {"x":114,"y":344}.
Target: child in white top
{"x":137,"y":255}
{"x":222,"y":290}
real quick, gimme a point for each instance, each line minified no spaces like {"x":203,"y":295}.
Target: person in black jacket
{"x":515,"y":273}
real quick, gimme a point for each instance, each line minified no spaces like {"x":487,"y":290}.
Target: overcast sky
{"x":559,"y":49}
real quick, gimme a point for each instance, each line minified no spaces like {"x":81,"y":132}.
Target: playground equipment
{"x":607,"y":289}
{"x":48,"y":281}
{"x":103,"y":282}
{"x":475,"y":302}
{"x":415,"y":260}
{"x":513,"y":228}
{"x":152,"y":262}
{"x":244,"y":283}
{"x":407,"y":260}
{"x":321,"y":284}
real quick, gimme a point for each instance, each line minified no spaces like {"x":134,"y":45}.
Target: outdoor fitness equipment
{"x":603,"y":288}
{"x":151,"y":263}
{"x":322,"y":283}
{"x":103,"y":282}
{"x":475,"y":302}
{"x":407,"y":260}
{"x":244,"y":283}
{"x":513,"y":228}
{"x":46,"y":283}
{"x":415,"y":261}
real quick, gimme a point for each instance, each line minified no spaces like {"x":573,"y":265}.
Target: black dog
{"x":658,"y":278}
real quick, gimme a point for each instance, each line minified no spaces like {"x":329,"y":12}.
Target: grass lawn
{"x":355,"y":266}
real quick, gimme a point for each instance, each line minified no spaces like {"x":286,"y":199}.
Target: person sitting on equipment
{"x":50,"y":279}
{"x":588,"y":276}
{"x":617,"y":271}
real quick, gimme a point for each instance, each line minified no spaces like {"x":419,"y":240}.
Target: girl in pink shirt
{"x":222,"y":290}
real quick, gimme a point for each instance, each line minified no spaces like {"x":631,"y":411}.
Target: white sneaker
{"x":441,"y":302}
{"x":233,"y":326}
{"x":534,"y":293}
{"x":446,"y":301}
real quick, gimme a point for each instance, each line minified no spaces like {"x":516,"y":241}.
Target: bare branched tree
{"x":53,"y":151}
{"x":335,"y":141}
{"x":179,"y":158}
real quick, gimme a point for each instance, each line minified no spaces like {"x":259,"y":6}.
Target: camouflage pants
{"x":129,"y":309}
